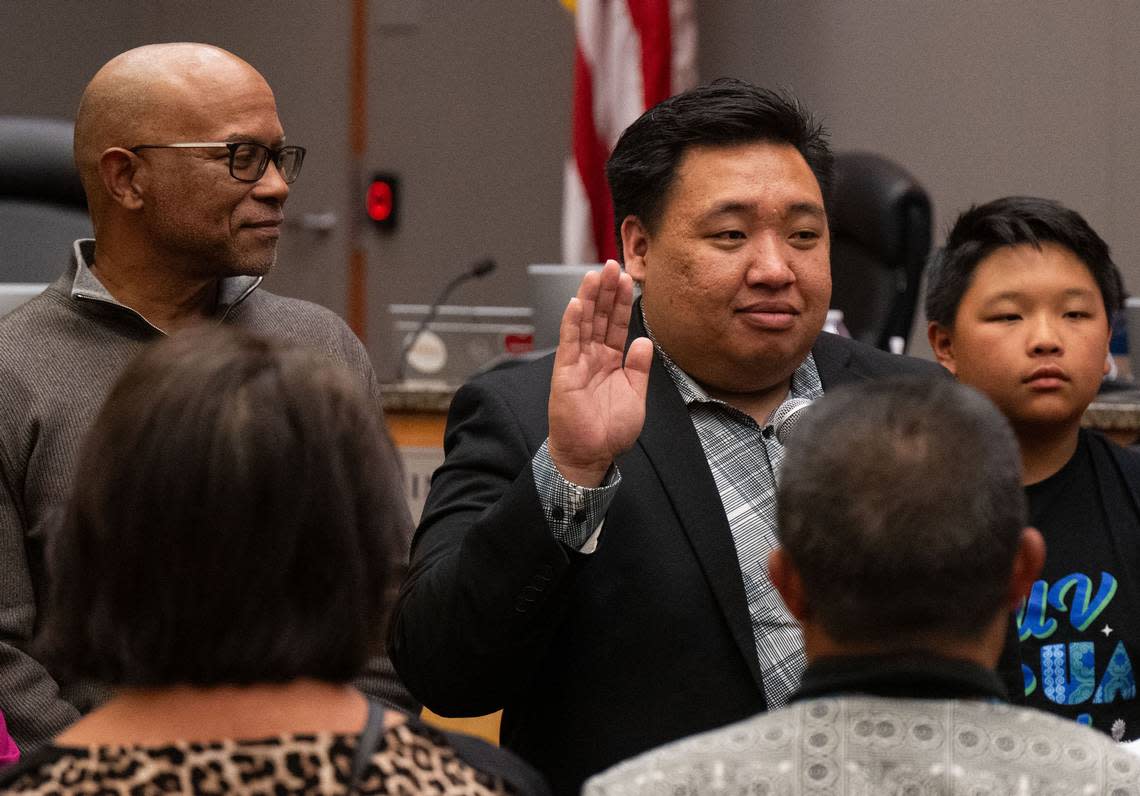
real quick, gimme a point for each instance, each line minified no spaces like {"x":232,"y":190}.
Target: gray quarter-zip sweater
{"x":60,"y":354}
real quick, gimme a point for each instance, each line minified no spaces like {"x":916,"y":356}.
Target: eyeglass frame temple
{"x":232,"y":146}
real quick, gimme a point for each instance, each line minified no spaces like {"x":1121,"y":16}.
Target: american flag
{"x":629,"y":55}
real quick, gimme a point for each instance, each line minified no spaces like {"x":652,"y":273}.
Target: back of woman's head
{"x":235,"y":519}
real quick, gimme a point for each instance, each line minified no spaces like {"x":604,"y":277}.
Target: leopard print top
{"x":409,"y":759}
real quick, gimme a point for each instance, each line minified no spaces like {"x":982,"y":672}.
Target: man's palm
{"x":597,"y":406}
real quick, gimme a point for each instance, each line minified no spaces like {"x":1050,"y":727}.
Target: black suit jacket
{"x":594,"y":658}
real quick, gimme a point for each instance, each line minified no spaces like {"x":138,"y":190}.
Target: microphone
{"x":787,"y":416}
{"x":476,"y":270}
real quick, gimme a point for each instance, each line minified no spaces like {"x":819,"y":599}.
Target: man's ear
{"x":119,"y":170}
{"x":786,"y":578}
{"x":1027,"y":564}
{"x":942,"y":343}
{"x":634,"y":244}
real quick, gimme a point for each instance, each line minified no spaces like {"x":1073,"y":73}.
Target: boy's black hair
{"x":1011,"y":221}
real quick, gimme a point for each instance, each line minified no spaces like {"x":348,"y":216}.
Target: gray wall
{"x":468,"y":102}
{"x":472,"y":109}
{"x":976,"y":99}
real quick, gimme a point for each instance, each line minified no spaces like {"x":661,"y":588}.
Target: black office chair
{"x":881,"y":231}
{"x":42,"y":206}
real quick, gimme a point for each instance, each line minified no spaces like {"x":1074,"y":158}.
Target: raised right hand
{"x":597,"y":405}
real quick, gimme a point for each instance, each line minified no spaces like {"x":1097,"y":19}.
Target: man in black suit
{"x":592,"y":553}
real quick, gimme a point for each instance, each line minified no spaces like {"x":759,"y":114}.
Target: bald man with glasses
{"x":186,"y":171}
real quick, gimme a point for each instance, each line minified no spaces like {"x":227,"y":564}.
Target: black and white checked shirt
{"x":744,"y":458}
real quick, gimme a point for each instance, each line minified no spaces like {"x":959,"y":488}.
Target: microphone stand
{"x":476,"y":271}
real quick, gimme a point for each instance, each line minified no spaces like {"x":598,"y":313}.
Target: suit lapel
{"x":670,"y":442}
{"x":832,"y":360}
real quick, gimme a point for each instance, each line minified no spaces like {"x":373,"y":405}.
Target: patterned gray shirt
{"x":868,"y":745}
{"x":744,"y":458}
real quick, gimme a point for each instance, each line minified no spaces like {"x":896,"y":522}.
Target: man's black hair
{"x":1012,"y":221}
{"x":901,"y":507}
{"x":644,"y":162}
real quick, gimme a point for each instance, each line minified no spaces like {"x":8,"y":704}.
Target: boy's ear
{"x":942,"y":343}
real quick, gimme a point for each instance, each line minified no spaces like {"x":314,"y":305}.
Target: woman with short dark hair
{"x":224,"y":564}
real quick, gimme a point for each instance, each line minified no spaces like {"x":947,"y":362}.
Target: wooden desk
{"x":1117,"y":414}
{"x":416,"y":415}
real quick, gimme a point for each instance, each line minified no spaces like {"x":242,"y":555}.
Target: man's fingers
{"x":607,"y":292}
{"x":618,"y":328}
{"x":588,"y":297}
{"x":569,"y":334}
{"x":638,"y":360}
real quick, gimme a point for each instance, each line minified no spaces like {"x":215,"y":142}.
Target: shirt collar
{"x":232,"y":290}
{"x":900,"y":676}
{"x":805,"y":379}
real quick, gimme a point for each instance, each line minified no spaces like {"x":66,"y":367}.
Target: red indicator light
{"x":380,"y":201}
{"x":518,"y":343}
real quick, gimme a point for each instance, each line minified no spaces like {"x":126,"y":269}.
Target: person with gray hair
{"x":903,"y":548}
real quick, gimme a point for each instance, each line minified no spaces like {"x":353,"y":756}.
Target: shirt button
{"x":556,"y":513}
{"x":579,"y":516}
{"x":767,"y":432}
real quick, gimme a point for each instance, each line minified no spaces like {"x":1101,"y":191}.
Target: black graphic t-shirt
{"x":1079,"y":630}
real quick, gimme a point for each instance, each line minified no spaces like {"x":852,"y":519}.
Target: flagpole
{"x":356,"y":310}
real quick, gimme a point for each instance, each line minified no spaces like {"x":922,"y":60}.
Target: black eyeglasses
{"x":248,"y":160}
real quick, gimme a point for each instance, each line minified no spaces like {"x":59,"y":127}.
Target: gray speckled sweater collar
{"x":85,"y":286}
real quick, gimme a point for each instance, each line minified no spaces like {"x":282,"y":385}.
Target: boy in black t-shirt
{"x":1020,"y":306}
